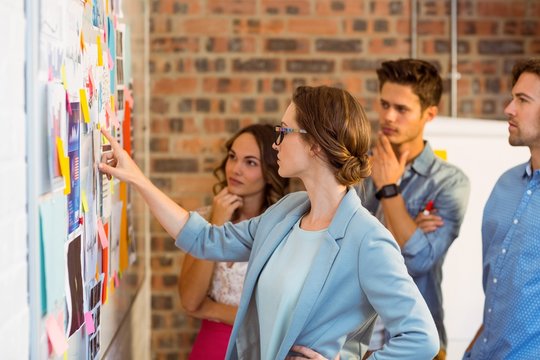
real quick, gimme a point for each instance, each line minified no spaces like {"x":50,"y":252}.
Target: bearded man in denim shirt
{"x":419,"y":197}
{"x":510,"y":236}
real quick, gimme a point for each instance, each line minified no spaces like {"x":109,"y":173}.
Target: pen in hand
{"x":428,"y":208}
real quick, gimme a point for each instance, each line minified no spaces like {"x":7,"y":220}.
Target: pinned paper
{"x":111,"y":62}
{"x":112,"y":115}
{"x":102,"y":235}
{"x":111,"y":286}
{"x":128,"y":96}
{"x":56,"y":336}
{"x":112,"y":103}
{"x":441,"y":153}
{"x":64,"y":165}
{"x":68,"y":104}
{"x":84,"y":201}
{"x":99,"y":52}
{"x":116,"y":281}
{"x":82,"y":41}
{"x":111,"y":183}
{"x":64,"y":78}
{"x":84,"y":105}
{"x":89,"y":322}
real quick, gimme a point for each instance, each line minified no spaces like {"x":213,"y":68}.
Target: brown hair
{"x":421,"y":76}
{"x":276,"y":186}
{"x":336,"y":122}
{"x":526,"y":66}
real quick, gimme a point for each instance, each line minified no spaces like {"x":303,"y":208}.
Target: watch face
{"x":387,"y":191}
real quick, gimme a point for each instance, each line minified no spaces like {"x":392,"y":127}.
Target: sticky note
{"x":68,"y":104}
{"x":99,"y":52}
{"x":111,"y":62}
{"x":50,"y":76}
{"x":128,"y":96}
{"x":112,"y":115}
{"x":89,"y":322}
{"x":82,"y":41}
{"x":64,"y":165}
{"x":84,"y":105}
{"x":112,"y":103}
{"x":84,"y":201}
{"x":116,"y":281}
{"x":102,"y":236}
{"x":441,"y":153}
{"x":56,"y":336}
{"x":64,"y":78}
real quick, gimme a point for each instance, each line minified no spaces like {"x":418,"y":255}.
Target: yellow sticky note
{"x":84,"y":201}
{"x":112,"y":187}
{"x":64,"y":165}
{"x":112,"y":102}
{"x":99,"y":52}
{"x":63,"y":74}
{"x":441,"y":154}
{"x":65,"y":356}
{"x":84,"y":105}
{"x":82,"y":41}
{"x":97,"y":272}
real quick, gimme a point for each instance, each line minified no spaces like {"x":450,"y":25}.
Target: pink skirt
{"x":211,"y":342}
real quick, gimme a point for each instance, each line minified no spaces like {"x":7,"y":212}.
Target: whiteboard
{"x":481,"y":149}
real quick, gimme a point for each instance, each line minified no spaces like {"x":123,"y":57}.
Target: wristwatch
{"x":388,"y":191}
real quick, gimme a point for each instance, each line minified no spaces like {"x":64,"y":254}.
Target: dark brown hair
{"x":421,"y":76}
{"x":336,"y":121}
{"x":276,"y":186}
{"x":526,"y":66}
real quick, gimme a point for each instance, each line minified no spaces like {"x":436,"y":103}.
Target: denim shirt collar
{"x":423,"y":162}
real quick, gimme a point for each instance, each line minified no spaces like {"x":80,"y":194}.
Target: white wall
{"x":480,"y":148}
{"x":14,"y":311}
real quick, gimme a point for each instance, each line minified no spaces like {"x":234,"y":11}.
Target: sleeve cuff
{"x":416,"y":243}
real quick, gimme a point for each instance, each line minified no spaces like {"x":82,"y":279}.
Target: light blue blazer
{"x":357,"y":271}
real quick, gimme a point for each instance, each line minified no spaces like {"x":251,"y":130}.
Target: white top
{"x":280,"y":284}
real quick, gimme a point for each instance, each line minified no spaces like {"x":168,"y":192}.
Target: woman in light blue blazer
{"x":320,"y":266}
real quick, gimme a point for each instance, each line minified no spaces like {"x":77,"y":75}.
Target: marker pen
{"x":428,"y":208}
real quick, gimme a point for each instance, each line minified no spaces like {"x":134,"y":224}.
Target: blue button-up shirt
{"x":429,"y":178}
{"x":511,"y":268}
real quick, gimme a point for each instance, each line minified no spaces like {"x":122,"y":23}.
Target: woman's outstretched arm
{"x":169,"y":214}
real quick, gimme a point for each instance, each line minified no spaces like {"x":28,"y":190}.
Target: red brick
{"x":501,"y":8}
{"x":231,"y":7}
{"x":313,"y":26}
{"x":389,"y":46}
{"x":340,"y":7}
{"x":432,"y":27}
{"x":207,"y":26}
{"x":174,"y":86}
{"x":289,"y":7}
{"x":228,"y":85}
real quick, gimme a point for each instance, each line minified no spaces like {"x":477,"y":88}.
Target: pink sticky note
{"x":112,"y":115}
{"x":128,"y":96}
{"x":102,"y":236}
{"x":56,"y":336}
{"x":111,"y":63}
{"x":116,"y":281}
{"x":89,"y":322}
{"x":68,"y":104}
{"x":50,"y":76}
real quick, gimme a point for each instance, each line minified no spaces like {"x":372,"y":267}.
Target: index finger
{"x":115,"y":145}
{"x":385,"y":144}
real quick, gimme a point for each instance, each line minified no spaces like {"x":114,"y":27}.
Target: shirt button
{"x":494,"y":280}
{"x":489,"y":310}
{"x":485,"y":340}
{"x":516,"y":221}
{"x":503,"y":251}
{"x":529,"y":192}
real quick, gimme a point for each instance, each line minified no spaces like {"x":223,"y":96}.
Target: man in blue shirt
{"x":408,"y":180}
{"x":511,"y":236}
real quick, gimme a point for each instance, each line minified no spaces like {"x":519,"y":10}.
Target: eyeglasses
{"x":285,"y":130}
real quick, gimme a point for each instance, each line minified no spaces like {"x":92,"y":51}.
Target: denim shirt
{"x":511,"y":268}
{"x":429,"y":178}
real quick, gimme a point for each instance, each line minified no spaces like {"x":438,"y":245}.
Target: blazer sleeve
{"x":228,"y":242}
{"x":394,"y":296}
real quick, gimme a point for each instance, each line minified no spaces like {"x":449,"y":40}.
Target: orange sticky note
{"x":84,"y":201}
{"x":102,"y":236}
{"x":99,"y":52}
{"x":89,"y":322}
{"x":64,"y":77}
{"x":84,"y":105}
{"x":82,"y":41}
{"x":56,"y":336}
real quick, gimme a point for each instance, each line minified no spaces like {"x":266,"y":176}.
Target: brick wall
{"x":217,"y":65}
{"x":14,"y":311}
